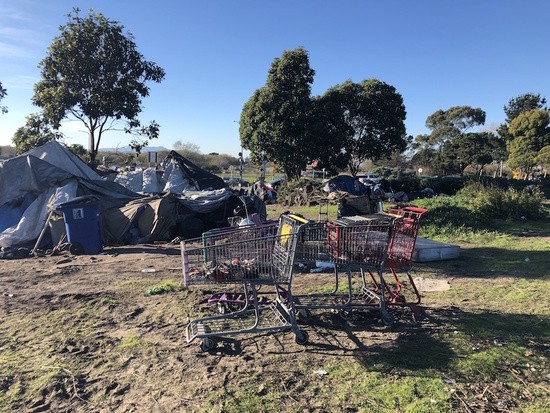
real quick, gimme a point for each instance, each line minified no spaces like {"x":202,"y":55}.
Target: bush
{"x":450,"y":217}
{"x":501,"y":203}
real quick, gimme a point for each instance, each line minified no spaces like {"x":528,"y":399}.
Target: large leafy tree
{"x":473,"y":149}
{"x":275,"y":121}
{"x":3,"y":94}
{"x":530,"y":132}
{"x":362,"y":121}
{"x":36,"y":132}
{"x":94,"y":72}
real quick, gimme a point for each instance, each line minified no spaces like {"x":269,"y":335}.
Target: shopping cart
{"x":228,"y":301}
{"x":400,"y":252}
{"x":352,"y":244}
{"x":251,"y":260}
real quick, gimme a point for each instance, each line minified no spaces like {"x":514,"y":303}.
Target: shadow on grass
{"x":433,"y":344}
{"x":489,"y":261}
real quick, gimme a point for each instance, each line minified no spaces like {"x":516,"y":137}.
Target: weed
{"x":164,"y":287}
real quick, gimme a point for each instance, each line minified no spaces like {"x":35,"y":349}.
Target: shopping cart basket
{"x":400,"y":252}
{"x":251,"y":261}
{"x":352,"y":243}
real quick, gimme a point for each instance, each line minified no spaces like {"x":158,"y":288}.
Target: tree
{"x":543,"y":159}
{"x":186,"y":146}
{"x":448,"y":141}
{"x":329,"y":129}
{"x":94,"y":72}
{"x":362,"y":121}
{"x":275,"y":121}
{"x":374,"y":115}
{"x":190,"y":150}
{"x":530,"y":132}
{"x":516,"y":106}
{"x":451,"y":123}
{"x":36,"y":132}
{"x":474,"y":149}
{"x":523,"y":103}
{"x":3,"y":94}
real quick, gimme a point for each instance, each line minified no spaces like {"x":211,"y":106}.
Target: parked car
{"x":368,"y":178}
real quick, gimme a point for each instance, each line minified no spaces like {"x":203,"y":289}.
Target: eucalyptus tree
{"x":451,"y":142}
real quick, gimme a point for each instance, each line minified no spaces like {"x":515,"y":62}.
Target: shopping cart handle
{"x":415,"y":209}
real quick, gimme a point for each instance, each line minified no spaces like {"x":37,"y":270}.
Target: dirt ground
{"x":81,"y":333}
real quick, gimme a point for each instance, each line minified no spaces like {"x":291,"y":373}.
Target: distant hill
{"x":127,"y":149}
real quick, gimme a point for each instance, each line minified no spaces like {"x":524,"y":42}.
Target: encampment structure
{"x":35,"y":183}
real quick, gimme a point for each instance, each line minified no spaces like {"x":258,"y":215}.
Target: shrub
{"x":501,"y":203}
{"x":450,"y":217}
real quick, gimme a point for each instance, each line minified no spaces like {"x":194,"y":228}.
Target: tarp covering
{"x":205,"y":201}
{"x":144,"y":181}
{"x":201,"y":179}
{"x":179,"y":175}
{"x":33,"y":183}
{"x":143,"y":220}
{"x":57,"y":155}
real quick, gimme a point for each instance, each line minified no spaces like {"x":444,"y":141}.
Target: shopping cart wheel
{"x":302,"y":337}
{"x":387,"y":317}
{"x":208,"y":344}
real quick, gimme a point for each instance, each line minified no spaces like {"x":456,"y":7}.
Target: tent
{"x":37,"y":181}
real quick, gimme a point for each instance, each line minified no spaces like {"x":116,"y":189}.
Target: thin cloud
{"x":9,"y":51}
{"x":20,"y":82}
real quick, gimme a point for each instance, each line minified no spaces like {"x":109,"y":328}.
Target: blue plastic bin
{"x":82,"y":224}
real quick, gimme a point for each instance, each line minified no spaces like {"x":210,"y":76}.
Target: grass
{"x":483,"y":346}
{"x":164,"y":287}
{"x":496,"y":329}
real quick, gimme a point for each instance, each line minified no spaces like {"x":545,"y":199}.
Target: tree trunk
{"x":92,"y":151}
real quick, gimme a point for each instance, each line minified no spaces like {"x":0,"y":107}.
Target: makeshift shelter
{"x":159,"y":218}
{"x":198,"y":177}
{"x":177,"y":175}
{"x":345,"y":183}
{"x":38,"y":181}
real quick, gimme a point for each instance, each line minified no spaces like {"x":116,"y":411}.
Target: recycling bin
{"x":82,"y":224}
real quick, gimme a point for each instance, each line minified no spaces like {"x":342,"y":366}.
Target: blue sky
{"x":437,"y":54}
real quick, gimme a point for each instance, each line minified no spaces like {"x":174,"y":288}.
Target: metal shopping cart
{"x":400,"y":252}
{"x":250,"y":259}
{"x":228,"y":301}
{"x":351,"y":244}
